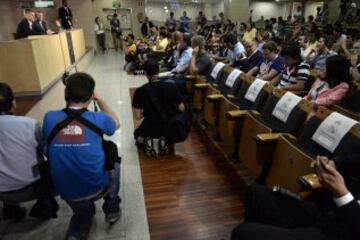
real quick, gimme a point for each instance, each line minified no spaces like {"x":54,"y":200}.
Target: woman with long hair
{"x":332,"y":89}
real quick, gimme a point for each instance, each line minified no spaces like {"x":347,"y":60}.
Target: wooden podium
{"x":32,"y":65}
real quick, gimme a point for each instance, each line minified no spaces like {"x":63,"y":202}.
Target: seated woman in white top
{"x":100,"y":33}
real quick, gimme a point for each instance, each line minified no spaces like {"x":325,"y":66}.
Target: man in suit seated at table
{"x":40,"y":25}
{"x":26,"y":26}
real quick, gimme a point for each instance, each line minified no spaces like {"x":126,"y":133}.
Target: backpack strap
{"x":155,"y":100}
{"x":73,"y":115}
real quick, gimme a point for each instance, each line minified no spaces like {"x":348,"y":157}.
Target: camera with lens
{"x":65,"y":78}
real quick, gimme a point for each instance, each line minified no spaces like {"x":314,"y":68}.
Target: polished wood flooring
{"x":24,"y":104}
{"x":194,"y":194}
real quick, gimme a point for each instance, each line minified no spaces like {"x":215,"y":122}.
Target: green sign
{"x":116,"y":4}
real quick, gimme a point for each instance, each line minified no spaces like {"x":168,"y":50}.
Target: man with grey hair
{"x":200,"y":62}
{"x":253,"y":58}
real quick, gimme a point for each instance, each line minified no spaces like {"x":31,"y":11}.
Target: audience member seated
{"x":274,"y":215}
{"x":261,"y":39}
{"x":242,"y":29}
{"x":170,"y":60}
{"x":295,"y":73}
{"x":185,"y":54}
{"x":151,"y":133}
{"x":176,"y":75}
{"x":322,"y":54}
{"x":26,"y":26}
{"x":340,"y":45}
{"x":254,"y":57}
{"x":40,"y":26}
{"x":273,"y":64}
{"x":236,"y":50}
{"x":250,"y":33}
{"x":200,"y":62}
{"x":355,"y":62}
{"x":331,"y":89}
{"x":19,"y":173}
{"x":220,"y":52}
{"x":283,"y":33}
{"x":130,"y":50}
{"x":153,"y":35}
{"x":77,"y":157}
{"x":162,"y":41}
{"x":307,"y":50}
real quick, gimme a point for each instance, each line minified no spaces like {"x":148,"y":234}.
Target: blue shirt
{"x":277,"y":64}
{"x":236,"y":54}
{"x":185,"y":23}
{"x":184,"y":60}
{"x":76,"y":154}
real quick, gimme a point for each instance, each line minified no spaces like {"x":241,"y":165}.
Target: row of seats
{"x":239,"y":110}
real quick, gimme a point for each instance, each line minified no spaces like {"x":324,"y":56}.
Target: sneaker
{"x":163,"y":148}
{"x":83,"y":235}
{"x":149,"y":147}
{"x":14,"y":212}
{"x":112,"y":218}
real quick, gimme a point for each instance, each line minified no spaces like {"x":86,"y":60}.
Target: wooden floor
{"x":195,"y":194}
{"x":24,"y":104}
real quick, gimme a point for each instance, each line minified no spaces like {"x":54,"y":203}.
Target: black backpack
{"x":110,"y":148}
{"x":178,"y":127}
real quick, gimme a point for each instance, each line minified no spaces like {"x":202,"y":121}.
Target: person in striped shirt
{"x":295,"y":73}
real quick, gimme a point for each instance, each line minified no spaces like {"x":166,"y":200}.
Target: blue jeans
{"x":84,"y":211}
{"x":178,"y":80}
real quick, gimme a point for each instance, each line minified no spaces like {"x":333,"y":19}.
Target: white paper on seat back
{"x":285,"y":106}
{"x":254,"y":90}
{"x":232,"y":78}
{"x":332,"y":130}
{"x":216,"y":70}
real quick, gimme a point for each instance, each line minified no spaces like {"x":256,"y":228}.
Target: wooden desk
{"x":30,"y":66}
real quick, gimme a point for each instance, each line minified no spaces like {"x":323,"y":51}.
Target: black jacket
{"x":248,"y":63}
{"x":24,"y":30}
{"x":40,"y":28}
{"x":145,"y":30}
{"x":65,"y":16}
{"x":349,"y":217}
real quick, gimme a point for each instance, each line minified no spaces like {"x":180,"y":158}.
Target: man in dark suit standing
{"x":25,"y":27}
{"x":40,"y":25}
{"x":65,"y":16}
{"x":146,"y":26}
